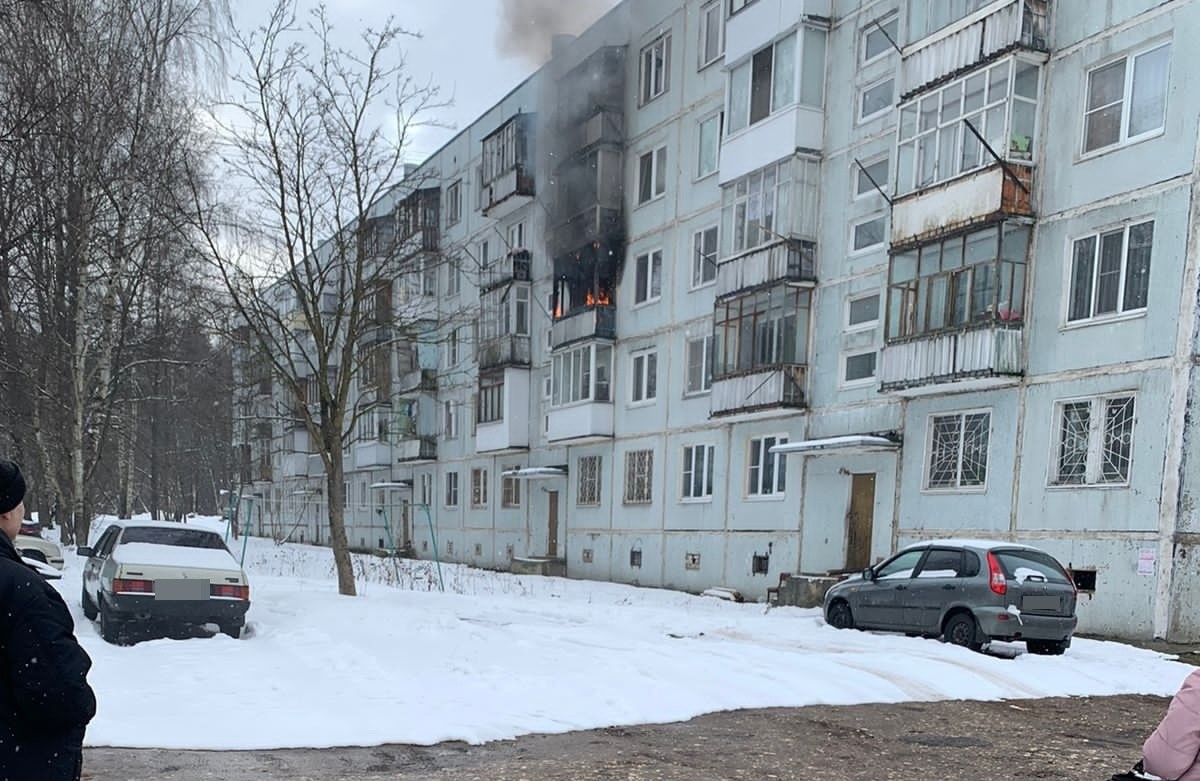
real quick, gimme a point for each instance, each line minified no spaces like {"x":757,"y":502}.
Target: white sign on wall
{"x":1145,"y":561}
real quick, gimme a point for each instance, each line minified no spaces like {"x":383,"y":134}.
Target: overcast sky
{"x":459,"y":50}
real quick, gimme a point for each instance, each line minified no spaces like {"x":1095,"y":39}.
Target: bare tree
{"x":313,"y":228}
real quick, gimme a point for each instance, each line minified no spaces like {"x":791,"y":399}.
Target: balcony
{"x":371,"y":455}
{"x":604,"y":127}
{"x":316,"y":466}
{"x":416,"y":449}
{"x":581,"y":421}
{"x":508,"y":192}
{"x":418,"y":381}
{"x":595,"y":224}
{"x":295,"y":465}
{"x":973,"y":39}
{"x":506,"y":350}
{"x":789,"y":261}
{"x":516,"y":266}
{"x":761,"y":389}
{"x":598,"y":321}
{"x":987,"y":356}
{"x":974,"y":199}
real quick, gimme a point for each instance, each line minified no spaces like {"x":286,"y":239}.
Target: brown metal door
{"x":552,"y":522}
{"x":859,"y":521}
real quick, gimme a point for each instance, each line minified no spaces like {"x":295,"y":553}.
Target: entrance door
{"x":860,"y":520}
{"x":552,"y":523}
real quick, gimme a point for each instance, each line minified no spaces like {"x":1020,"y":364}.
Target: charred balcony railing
{"x":597,"y":321}
{"x":507,"y":350}
{"x":516,"y":266}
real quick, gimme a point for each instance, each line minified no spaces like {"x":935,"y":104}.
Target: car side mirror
{"x":868,"y":574}
{"x":83,"y":551}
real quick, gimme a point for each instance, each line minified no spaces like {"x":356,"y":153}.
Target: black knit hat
{"x":12,"y":485}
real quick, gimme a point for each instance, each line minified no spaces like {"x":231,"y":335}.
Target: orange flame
{"x":601,"y":300}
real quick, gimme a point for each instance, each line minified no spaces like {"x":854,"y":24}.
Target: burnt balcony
{"x":975,"y":38}
{"x":759,"y":389}
{"x":978,"y":356}
{"x":791,"y":261}
{"x":593,"y":225}
{"x":606,"y":126}
{"x":516,"y":266}
{"x":507,"y":350}
{"x":416,"y":449}
{"x":596,"y":321}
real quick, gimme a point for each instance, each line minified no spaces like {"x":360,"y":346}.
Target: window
{"x":581,"y":374}
{"x":521,"y":300}
{"x":1095,"y":441}
{"x":648,"y":277}
{"x":1126,"y":99}
{"x":737,"y":5}
{"x":450,"y":419}
{"x":453,"y":278}
{"x":704,"y":256}
{"x":655,"y":78}
{"x":639,"y":466}
{"x":691,"y":561}
{"x":859,"y":368}
{"x":452,"y":353}
{"x":768,"y":471}
{"x":879,"y":37}
{"x":479,"y":487}
{"x":510,"y":491}
{"x":712,"y":33}
{"x":491,"y":401}
{"x":645,"y":376}
{"x":454,"y":203}
{"x":373,"y":424}
{"x":958,"y":450}
{"x":765,"y":329}
{"x":426,"y":493}
{"x":763,"y":84}
{"x":1110,"y":272}
{"x":452,"y":489}
{"x":862,"y":312}
{"x":709,"y":146}
{"x":752,"y":204}
{"x":485,"y":255}
{"x":760,"y":564}
{"x":652,"y":175}
{"x":589,"y":482}
{"x":699,"y":364}
{"x":869,"y":233}
{"x":505,"y":149}
{"x":942,"y":563}
{"x":876,"y":99}
{"x":635,"y":558}
{"x":870,"y":174}
{"x":698,"y":472}
{"x":516,"y":236}
{"x":935,"y":144}
{"x":976,"y":278}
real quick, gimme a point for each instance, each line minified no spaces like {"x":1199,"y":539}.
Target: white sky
{"x":410,"y":665}
{"x":458,"y":51}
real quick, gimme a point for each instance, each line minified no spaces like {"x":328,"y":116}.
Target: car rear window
{"x":184,"y":538}
{"x":1020,"y":565}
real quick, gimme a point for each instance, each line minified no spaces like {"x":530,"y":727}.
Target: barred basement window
{"x":639,"y":466}
{"x":635,"y":558}
{"x":479,"y":487}
{"x":958,"y":450}
{"x":760,"y":564}
{"x":508,"y":551}
{"x":588,"y":494}
{"x":691,"y":561}
{"x":478,"y":549}
{"x":1085,"y":579}
{"x":587,"y":555}
{"x":449,"y":547}
{"x":1095,"y":441}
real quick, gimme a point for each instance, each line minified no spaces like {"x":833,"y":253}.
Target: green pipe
{"x":246,"y":533}
{"x":436,"y":555}
{"x":387,"y":527}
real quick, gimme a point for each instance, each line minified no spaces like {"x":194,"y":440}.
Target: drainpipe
{"x":1182,"y":369}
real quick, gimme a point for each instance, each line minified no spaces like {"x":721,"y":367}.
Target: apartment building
{"x":741,"y":287}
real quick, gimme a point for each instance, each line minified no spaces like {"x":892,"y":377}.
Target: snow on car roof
{"x":966,"y":542}
{"x":126,"y":523}
{"x":154,"y":554}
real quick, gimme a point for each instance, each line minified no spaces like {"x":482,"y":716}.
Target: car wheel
{"x":110,"y":628}
{"x":1046,"y":647}
{"x":36,"y":555}
{"x":962,"y":630}
{"x":89,"y":607}
{"x":233,"y":629}
{"x":839,"y":616}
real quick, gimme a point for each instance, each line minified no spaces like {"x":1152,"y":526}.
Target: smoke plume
{"x":527,"y":27}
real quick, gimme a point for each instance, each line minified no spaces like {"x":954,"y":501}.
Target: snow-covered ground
{"x":497,"y":656}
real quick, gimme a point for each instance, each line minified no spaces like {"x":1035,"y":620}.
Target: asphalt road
{"x":1077,"y":739}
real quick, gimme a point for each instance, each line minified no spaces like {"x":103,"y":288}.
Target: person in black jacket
{"x":45,"y":700}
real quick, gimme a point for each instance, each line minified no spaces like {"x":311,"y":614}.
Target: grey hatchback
{"x":968,"y":592}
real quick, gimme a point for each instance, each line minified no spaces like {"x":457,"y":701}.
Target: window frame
{"x":640,"y":378}
{"x":1093,"y":465}
{"x":510,"y":489}
{"x":490,"y":406}
{"x":864,"y":325}
{"x":658,"y":189}
{"x":479,"y":488}
{"x":736,"y":124}
{"x":856,"y":173}
{"x":755,"y":485}
{"x":706,"y":366}
{"x":737,"y":6}
{"x":881,"y":217}
{"x":451,"y":489}
{"x":705,"y":21}
{"x":450,"y":419}
{"x":862,"y":97}
{"x":875,"y":25}
{"x":454,"y":203}
{"x":590,"y":480}
{"x":860,"y":382}
{"x":646,"y":73}
{"x":1123,"y":139}
{"x":927,"y":456}
{"x":699,"y":259}
{"x":688,"y":473}
{"x":639,"y":488}
{"x":719,"y":118}
{"x":653,"y":260}
{"x":1097,"y":235}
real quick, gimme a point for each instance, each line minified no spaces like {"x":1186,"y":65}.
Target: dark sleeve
{"x":47,"y":667}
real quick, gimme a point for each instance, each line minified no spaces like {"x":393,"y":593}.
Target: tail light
{"x":996,"y":580}
{"x":131,"y":586}
{"x":231,"y":592}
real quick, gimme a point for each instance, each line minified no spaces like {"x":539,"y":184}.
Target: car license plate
{"x":1045,"y":604}
{"x":176,"y":590}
